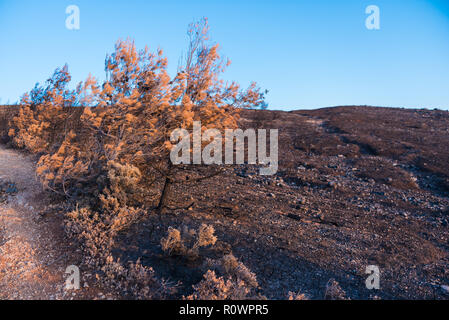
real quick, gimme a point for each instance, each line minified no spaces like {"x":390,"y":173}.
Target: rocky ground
{"x":356,"y":186}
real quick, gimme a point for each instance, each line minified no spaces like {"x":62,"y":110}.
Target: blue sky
{"x":308,"y":54}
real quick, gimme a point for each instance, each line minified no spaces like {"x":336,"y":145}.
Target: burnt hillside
{"x":356,"y":186}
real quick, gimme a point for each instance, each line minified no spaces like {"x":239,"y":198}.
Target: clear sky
{"x":308,"y":54}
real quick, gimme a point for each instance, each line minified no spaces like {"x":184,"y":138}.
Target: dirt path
{"x":32,"y":265}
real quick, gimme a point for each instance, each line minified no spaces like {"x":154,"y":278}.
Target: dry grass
{"x":189,"y":242}
{"x":236,"y":281}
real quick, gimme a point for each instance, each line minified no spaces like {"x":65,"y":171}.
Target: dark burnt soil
{"x":356,"y":186}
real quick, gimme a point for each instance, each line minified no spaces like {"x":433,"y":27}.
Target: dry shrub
{"x":68,"y":169}
{"x":189,"y":243}
{"x":173,"y":243}
{"x":45,"y":112}
{"x":135,"y":280}
{"x":124,"y":183}
{"x":236,"y":282}
{"x":216,"y":288}
{"x":98,"y":232}
{"x":334,"y":291}
{"x":28,"y":132}
{"x":93,"y":231}
{"x":6,"y":114}
{"x":137,"y":109}
{"x":107,"y":146}
{"x":296,"y":296}
{"x":98,"y":229}
{"x":230,"y":266}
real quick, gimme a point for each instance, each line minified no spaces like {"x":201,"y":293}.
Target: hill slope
{"x":356,"y":186}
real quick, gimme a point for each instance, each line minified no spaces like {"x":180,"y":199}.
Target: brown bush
{"x":138,"y":108}
{"x":107,"y":147}
{"x":217,"y":288}
{"x":6,"y":115}
{"x":189,"y":243}
{"x":46,"y":112}
{"x":236,"y":282}
{"x":97,"y":232}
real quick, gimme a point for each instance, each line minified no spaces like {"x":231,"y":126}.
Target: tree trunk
{"x":164,"y":195}
{"x":165,"y":191}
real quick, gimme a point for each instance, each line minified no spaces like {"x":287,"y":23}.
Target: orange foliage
{"x":109,"y":143}
{"x":137,"y":108}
